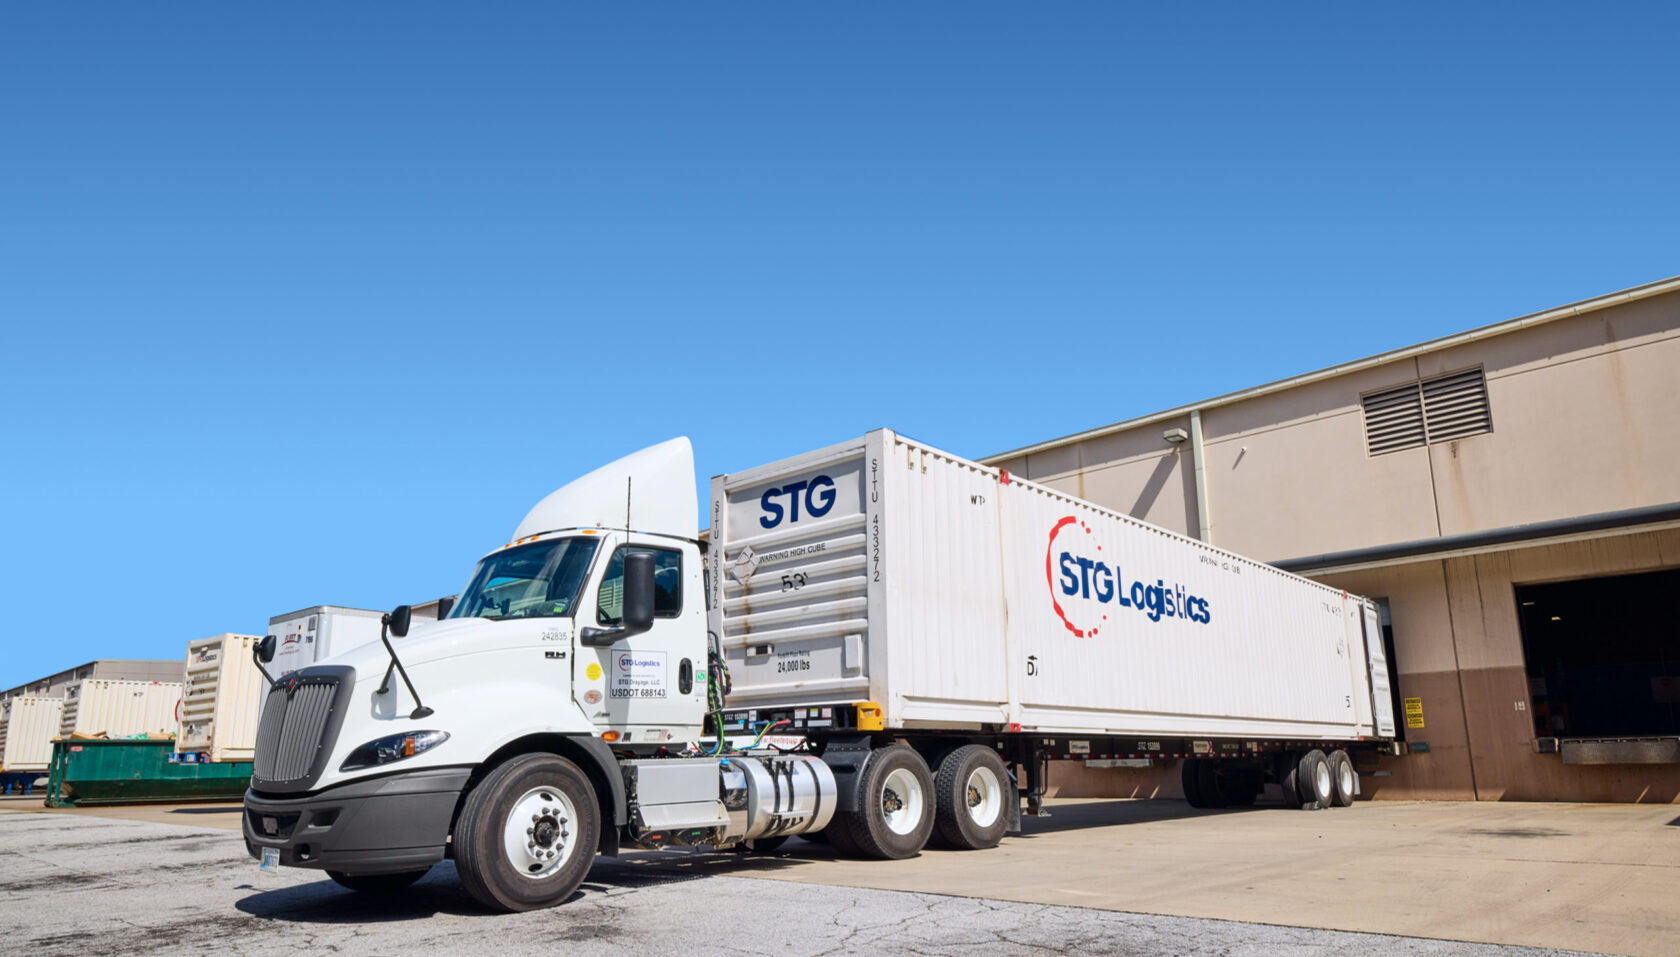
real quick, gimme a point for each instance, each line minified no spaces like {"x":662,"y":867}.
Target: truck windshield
{"x":539,"y":580}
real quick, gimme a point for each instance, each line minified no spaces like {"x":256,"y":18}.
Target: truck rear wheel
{"x":973,"y":790}
{"x":527,"y":834}
{"x":1312,"y":778}
{"x":895,"y":809}
{"x":1342,"y":778}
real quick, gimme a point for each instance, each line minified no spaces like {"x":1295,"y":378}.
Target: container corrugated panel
{"x":120,"y":708}
{"x":220,"y":703}
{"x":957,"y":596}
{"x":28,"y":725}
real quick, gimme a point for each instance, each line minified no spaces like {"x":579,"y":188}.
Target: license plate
{"x":270,"y":859}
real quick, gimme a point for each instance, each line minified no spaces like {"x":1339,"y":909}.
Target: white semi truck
{"x":932,"y":630}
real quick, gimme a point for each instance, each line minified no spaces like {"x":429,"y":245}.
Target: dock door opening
{"x":1603,"y":655}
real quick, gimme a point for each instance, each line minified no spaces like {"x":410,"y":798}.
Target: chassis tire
{"x":895,"y":807}
{"x":527,"y":834}
{"x":1236,"y":787}
{"x":972,"y":791}
{"x":1342,"y":779}
{"x":1190,"y":776}
{"x":1312,"y":780}
{"x":377,"y":883}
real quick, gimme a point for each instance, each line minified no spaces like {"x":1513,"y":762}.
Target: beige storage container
{"x":28,"y":725}
{"x":223,"y":695}
{"x":119,"y":709}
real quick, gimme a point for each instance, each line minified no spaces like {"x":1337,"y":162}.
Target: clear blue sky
{"x":308,"y":303}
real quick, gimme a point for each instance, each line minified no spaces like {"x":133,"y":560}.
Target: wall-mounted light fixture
{"x":1175,"y":436}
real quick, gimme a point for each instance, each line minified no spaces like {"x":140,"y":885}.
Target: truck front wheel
{"x":527,"y":834}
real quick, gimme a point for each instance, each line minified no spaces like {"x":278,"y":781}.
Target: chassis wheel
{"x":1312,"y":779}
{"x":895,"y":807}
{"x":377,"y":883}
{"x":973,"y":790}
{"x":1342,"y":778}
{"x":527,"y":834}
{"x":1190,"y":776}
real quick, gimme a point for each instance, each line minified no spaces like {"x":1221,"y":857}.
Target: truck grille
{"x":299,"y":726}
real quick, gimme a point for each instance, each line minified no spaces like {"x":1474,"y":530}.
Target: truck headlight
{"x":393,"y":748}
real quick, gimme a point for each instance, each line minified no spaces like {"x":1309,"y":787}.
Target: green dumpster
{"x":128,"y":771}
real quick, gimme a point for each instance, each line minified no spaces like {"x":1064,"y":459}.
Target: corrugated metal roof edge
{"x":1636,"y":293}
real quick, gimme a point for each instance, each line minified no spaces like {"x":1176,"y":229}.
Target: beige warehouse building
{"x":1510,"y":494}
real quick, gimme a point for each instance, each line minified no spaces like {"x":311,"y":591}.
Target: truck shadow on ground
{"x":323,"y":902}
{"x":1069,"y":817}
{"x":439,"y":892}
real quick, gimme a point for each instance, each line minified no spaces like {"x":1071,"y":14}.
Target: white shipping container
{"x":956,"y":595}
{"x":28,"y":724}
{"x":220,"y":703}
{"x":119,"y":709}
{"x":305,"y":637}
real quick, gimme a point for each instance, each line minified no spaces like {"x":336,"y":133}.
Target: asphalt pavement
{"x":83,"y":885}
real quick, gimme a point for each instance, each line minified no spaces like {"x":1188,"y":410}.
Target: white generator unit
{"x":958,"y":596}
{"x":219,"y":705}
{"x":305,"y":637}
{"x":28,"y":724}
{"x":120,"y":709}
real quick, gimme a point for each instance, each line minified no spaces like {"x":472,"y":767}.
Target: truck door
{"x":644,"y":684}
{"x":1382,"y":699}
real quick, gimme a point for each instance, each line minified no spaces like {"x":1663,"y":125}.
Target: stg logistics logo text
{"x":1091,"y":585}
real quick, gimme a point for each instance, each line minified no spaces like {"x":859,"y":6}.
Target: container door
{"x":1382,"y":699}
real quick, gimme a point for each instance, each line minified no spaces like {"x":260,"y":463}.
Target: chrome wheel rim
{"x":1344,"y":776}
{"x":538,"y":836}
{"x":1321,"y":779}
{"x":983,"y":793}
{"x":902,"y":801}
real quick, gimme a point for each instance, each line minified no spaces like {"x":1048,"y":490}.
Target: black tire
{"x":1211,"y":778}
{"x":838,"y":835}
{"x":1342,"y":778}
{"x":1312,"y":779}
{"x":377,"y":883}
{"x":1237,"y":787}
{"x":972,"y":781}
{"x":1190,"y":776}
{"x":869,"y":829}
{"x":481,"y":858}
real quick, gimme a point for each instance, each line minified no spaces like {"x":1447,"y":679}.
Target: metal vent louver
{"x":1456,"y":405}
{"x":1434,"y":410}
{"x":1394,"y":419}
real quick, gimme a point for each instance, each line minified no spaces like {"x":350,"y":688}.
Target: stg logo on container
{"x":1082,"y":575}
{"x":819,"y":498}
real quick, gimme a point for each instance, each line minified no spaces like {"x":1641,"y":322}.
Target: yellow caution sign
{"x":1414,"y":712}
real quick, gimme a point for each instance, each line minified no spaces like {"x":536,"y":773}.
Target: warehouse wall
{"x":1583,"y":412}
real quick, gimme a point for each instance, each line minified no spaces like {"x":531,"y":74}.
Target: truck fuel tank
{"x":723,"y":801}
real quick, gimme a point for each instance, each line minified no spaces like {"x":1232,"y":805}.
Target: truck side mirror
{"x":265,"y":650}
{"x":638,"y":593}
{"x":398,"y":619}
{"x":445,"y":606}
{"x":637,"y":609}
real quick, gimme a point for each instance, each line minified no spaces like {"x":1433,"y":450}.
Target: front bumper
{"x":397,"y":822}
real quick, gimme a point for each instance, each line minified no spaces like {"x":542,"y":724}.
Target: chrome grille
{"x":296,"y":729}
